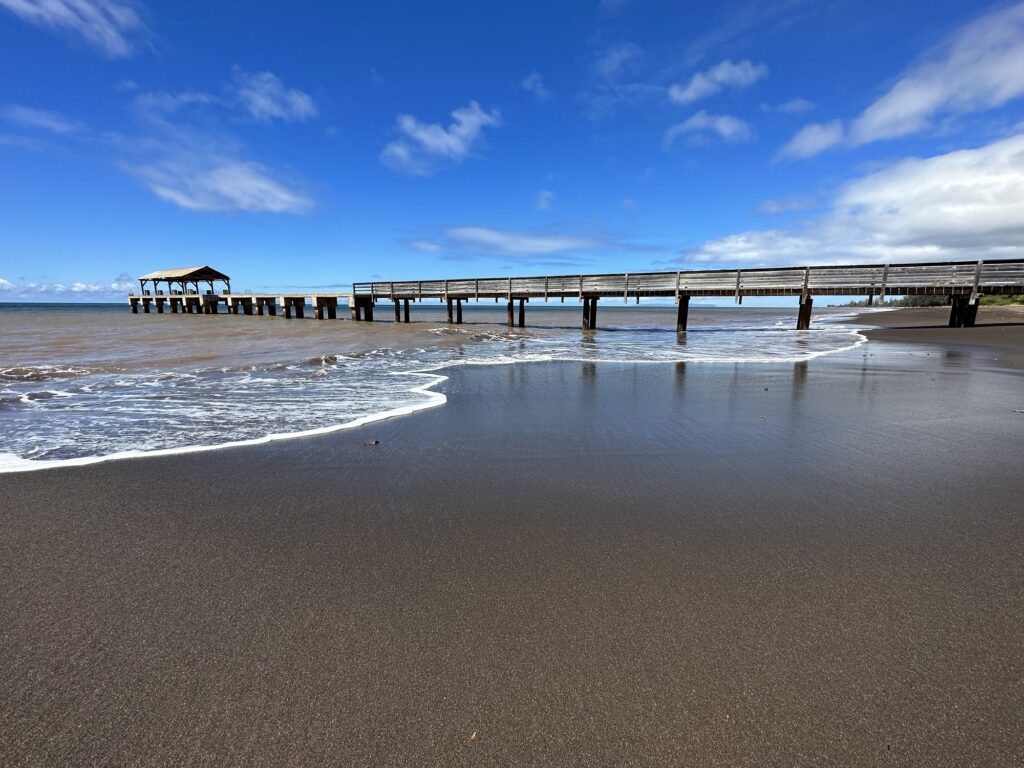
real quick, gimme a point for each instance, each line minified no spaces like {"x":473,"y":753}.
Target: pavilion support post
{"x":682,"y":314}
{"x":159,"y":307}
{"x":522,"y":313}
{"x":458,"y":311}
{"x":174,"y":307}
{"x":803,"y":318}
{"x":405,"y":309}
{"x":135,"y":307}
{"x":145,"y":306}
{"x":511,"y":313}
{"x":448,"y":303}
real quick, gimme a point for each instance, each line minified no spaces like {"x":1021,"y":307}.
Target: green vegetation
{"x":938,"y":301}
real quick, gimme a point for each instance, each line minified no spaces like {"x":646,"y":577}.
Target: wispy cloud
{"x":701,"y":125}
{"x":794,"y":106}
{"x":617,"y":60}
{"x":422,"y":244}
{"x":980,"y":67}
{"x":424,"y":147}
{"x":725,"y":74}
{"x":511,"y":242}
{"x":29,"y":117}
{"x":265,"y":96}
{"x":812,"y":139}
{"x":545,"y":199}
{"x":534,"y":83}
{"x":967,"y":204}
{"x":110,"y":27}
{"x":215,"y":184}
{"x":785,"y":205}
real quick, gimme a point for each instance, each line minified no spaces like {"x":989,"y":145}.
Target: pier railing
{"x":932,"y":278}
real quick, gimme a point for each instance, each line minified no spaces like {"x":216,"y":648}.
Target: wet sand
{"x":569,"y":564}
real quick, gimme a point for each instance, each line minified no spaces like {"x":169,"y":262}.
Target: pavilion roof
{"x":186,"y":273}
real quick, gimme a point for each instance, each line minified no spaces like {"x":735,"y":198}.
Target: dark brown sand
{"x":568,"y":564}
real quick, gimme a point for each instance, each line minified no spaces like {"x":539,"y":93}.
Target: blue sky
{"x":307,"y":145}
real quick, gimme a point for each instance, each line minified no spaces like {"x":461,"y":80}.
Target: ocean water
{"x":81,"y":383}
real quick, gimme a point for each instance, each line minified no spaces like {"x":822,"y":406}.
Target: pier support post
{"x":963,"y":312}
{"x":511,"y":313}
{"x":272,"y":308}
{"x":259,"y":308}
{"x":405,"y":309}
{"x":593,"y":313}
{"x":159,"y":307}
{"x":398,"y":311}
{"x":458,"y":311}
{"x":135,"y":307}
{"x":287,"y":309}
{"x":522,"y":313}
{"x":356,"y":310}
{"x":682,"y":314}
{"x":586,"y":313}
{"x":448,"y":303}
{"x":971,"y":312}
{"x":803,"y":318}
{"x":145,"y":307}
{"x":368,"y":311}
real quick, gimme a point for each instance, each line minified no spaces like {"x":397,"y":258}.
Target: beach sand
{"x":568,"y":564}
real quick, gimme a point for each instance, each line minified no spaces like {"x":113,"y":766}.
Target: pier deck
{"x":963,"y":282}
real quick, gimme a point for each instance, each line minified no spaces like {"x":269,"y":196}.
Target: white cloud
{"x":425,"y":145}
{"x":981,"y":67}
{"x":509,"y":242}
{"x":964,"y":205}
{"x":210,"y":184}
{"x":712,"y":80}
{"x":812,"y":139}
{"x":617,"y":60}
{"x":106,"y":25}
{"x":544,"y":200}
{"x":264,"y":96}
{"x":726,"y":127}
{"x":29,"y":117}
{"x":534,"y":83}
{"x":78,"y":289}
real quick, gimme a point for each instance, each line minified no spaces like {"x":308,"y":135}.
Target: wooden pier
{"x":963,"y":282}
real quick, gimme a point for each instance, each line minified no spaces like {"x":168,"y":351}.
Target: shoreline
{"x":10,"y":464}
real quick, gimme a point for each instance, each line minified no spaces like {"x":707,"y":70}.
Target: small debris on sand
{"x":372,"y":442}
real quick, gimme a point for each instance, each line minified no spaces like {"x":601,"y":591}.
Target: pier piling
{"x":682,"y":314}
{"x":522,"y":313}
{"x":803,"y":318}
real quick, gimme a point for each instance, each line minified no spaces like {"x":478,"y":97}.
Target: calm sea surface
{"x":85,"y":381}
